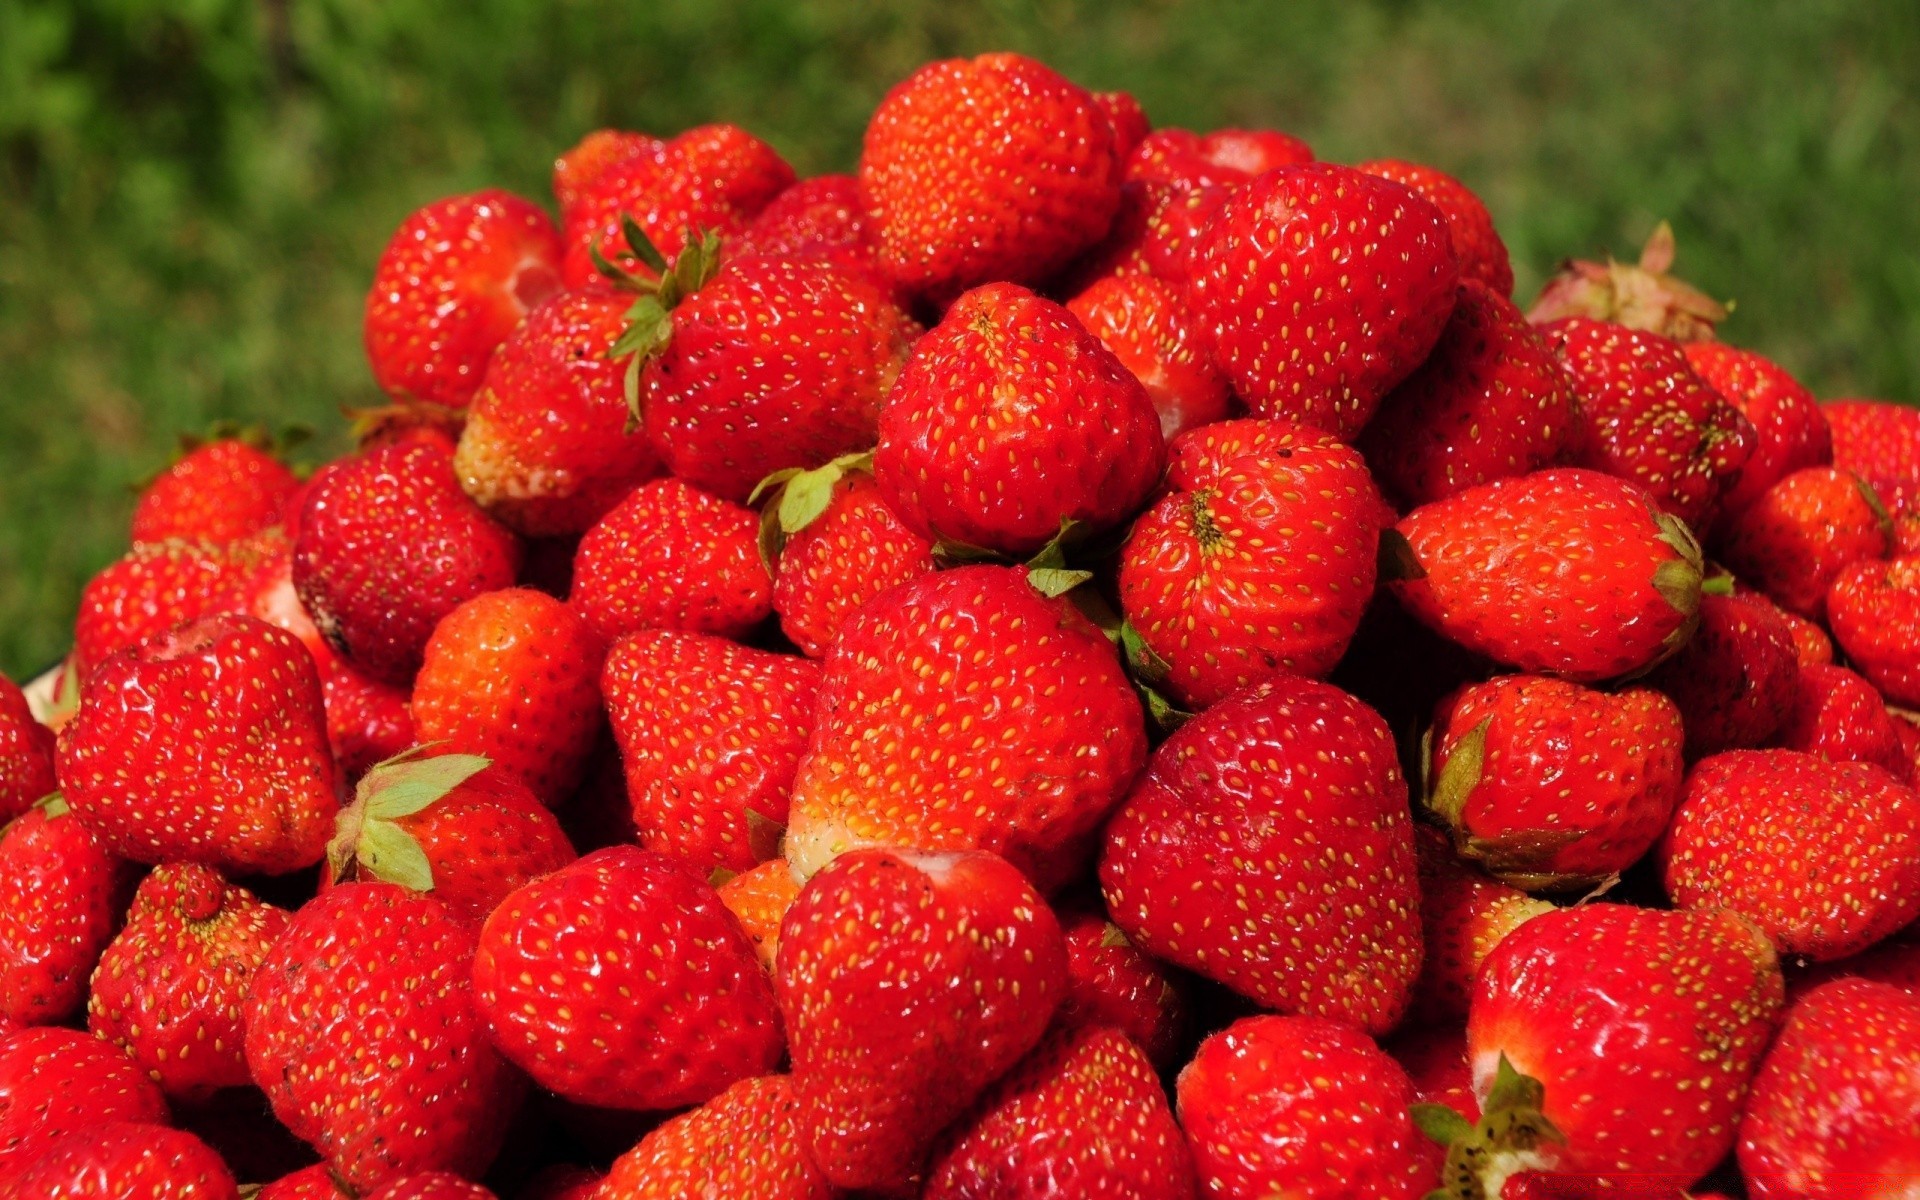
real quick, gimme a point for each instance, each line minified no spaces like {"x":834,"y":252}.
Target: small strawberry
{"x":1563,"y":572}
{"x":1802,"y":532}
{"x":1111,"y":982}
{"x":743,"y":1144}
{"x":1464,"y":915}
{"x":562,"y":1181}
{"x":121,"y":1160}
{"x":1643,"y":295}
{"x":1838,"y":716}
{"x":454,"y":280}
{"x":759,"y":900}
{"x":61,"y":892}
{"x":964,"y":711}
{"x":216,"y":491}
{"x":1875,"y":440}
{"x":1301,"y":1107}
{"x":1874,"y":608}
{"x":1476,"y":243}
{"x":158,"y":585}
{"x":1736,"y":679}
{"x":984,"y":169}
{"x":1901,"y":497}
{"x":1233,"y":855}
{"x":55,"y":1080}
{"x":1322,"y":287}
{"x":309,"y":1183}
{"x":1128,"y":118}
{"x":909,"y":982}
{"x":580,"y":167}
{"x":221,"y":723}
{"x":1791,"y":433}
{"x":1150,"y":329}
{"x":1230,"y":156}
{"x":433,"y":1185}
{"x":710,"y":732}
{"x":1258,"y":561}
{"x":26,"y":754}
{"x":1011,"y":420}
{"x":671,"y":556}
{"x":818,"y":218}
{"x":1810,"y":642}
{"x":1083,"y":1115}
{"x":1435,"y":1059}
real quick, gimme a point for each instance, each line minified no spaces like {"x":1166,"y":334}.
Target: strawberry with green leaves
{"x":1643,"y":295}
{"x":117,"y":1160}
{"x":26,"y":754}
{"x":1148,"y":326}
{"x":1874,"y":608}
{"x":1476,"y":243}
{"x":671,"y":556}
{"x":61,"y":892}
{"x":54,"y":1080}
{"x":216,"y":491}
{"x":1790,"y":431}
{"x":743,"y":1144}
{"x":1794,"y":540}
{"x":1736,"y":679}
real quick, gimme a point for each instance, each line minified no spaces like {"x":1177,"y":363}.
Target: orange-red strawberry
{"x":759,"y":900}
{"x":432,"y":1185}
{"x":743,"y":1144}
{"x":1170,"y":246}
{"x":984,"y":169}
{"x":158,"y":585}
{"x":61,"y":892}
{"x":1464,"y":915}
{"x":1873,"y":439}
{"x":1322,"y":287}
{"x":1901,"y":498}
{"x":816,"y":218}
{"x":1009,"y":420}
{"x":1148,"y":326}
{"x":514,"y":675}
{"x":671,"y":556}
{"x":1735,"y":680}
{"x":1825,"y":857}
{"x":1301,"y":1107}
{"x":1258,"y":561}
{"x":121,"y":1160}
{"x":169,"y":989}
{"x":710,"y":733}
{"x":622,"y":981}
{"x":53,"y":1080}
{"x":309,"y":1183}
{"x":363,"y":1032}
{"x":1234,"y":855}
{"x":1083,"y":1115}
{"x":1838,"y":716}
{"x":454,"y":280}
{"x":1476,"y":243}
{"x":1489,"y":402}
{"x":1802,"y":532}
{"x":1790,"y":431}
{"x":1223,"y":156}
{"x":26,"y":754}
{"x":216,"y":491}
{"x":1874,"y":608}
{"x":1111,"y":982}
{"x":1810,"y":642}
{"x":576,"y":171}
{"x":221,"y":723}
{"x":1128,"y":118}
{"x":1641,"y":295}
{"x":962,"y":711}
{"x":909,"y":981}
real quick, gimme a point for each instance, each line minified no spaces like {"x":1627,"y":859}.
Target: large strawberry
{"x":1233,"y":856}
{"x":119,"y":1160}
{"x":53,"y":1080}
{"x":1128,"y":118}
{"x":1794,"y":540}
{"x":1322,"y":288}
{"x":1476,"y":243}
{"x":671,"y":556}
{"x":216,"y":491}
{"x":1010,"y":420}
{"x":61,"y":893}
{"x":743,"y":1144}
{"x":1148,"y":326}
{"x":1735,"y":680}
{"x":1112,"y":982}
{"x":965,"y":710}
{"x":1790,"y":431}
{"x":157,"y":585}
{"x":1464,"y":914}
{"x":1838,"y":716}
{"x":1258,"y":561}
{"x":26,"y":754}
{"x":1874,"y":608}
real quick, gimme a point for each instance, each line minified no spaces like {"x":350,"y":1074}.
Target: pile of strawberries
{"x":1081,"y":662}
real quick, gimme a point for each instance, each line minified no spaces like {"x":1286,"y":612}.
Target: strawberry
{"x":1233,"y":856}
{"x":1010,"y":420}
{"x":1873,"y":439}
{"x":1810,"y":642}
{"x":1736,"y":679}
{"x":1300,"y":1107}
{"x":1464,"y":914}
{"x":1802,"y":532}
{"x":1564,"y":572}
{"x":1791,"y":433}
{"x":514,"y":675}
{"x":984,"y":169}
{"x":1874,"y":608}
{"x":710,"y":733}
{"x":1549,"y":785}
{"x":433,"y":1185}
{"x":743,"y":1144}
{"x":759,"y":900}
{"x":1643,"y":295}
{"x":449,"y":824}
{"x":818,"y":218}
{"x":1128,"y":119}
{"x":1476,"y":243}
{"x":362,"y":1030}
{"x":1489,"y":402}
{"x":1836,"y":1107}
{"x":26,"y":754}
{"x":562,"y":1181}
{"x":1435,"y":1060}
{"x":216,"y":491}
{"x":1082,"y":1115}
{"x":1825,"y":857}
{"x":1230,"y":156}
{"x":158,"y":585}
{"x":53,"y":1081}
{"x":580,"y":167}
{"x":168,"y":989}
{"x":671,"y":556}
{"x":1111,"y":982}
{"x":908,"y":982}
{"x":1257,"y":562}
{"x":1147,"y":325}
{"x":546,"y":448}
{"x":119,"y":1160}
{"x":1838,"y":716}
{"x":1895,"y":961}
{"x":388,"y":545}
{"x":1170,"y":245}
{"x":454,"y":280}
{"x":963,"y":711}
{"x":1322,"y":288}
{"x":309,"y":1183}
{"x":222,"y":724}
{"x":1901,"y":497}
{"x":61,"y":892}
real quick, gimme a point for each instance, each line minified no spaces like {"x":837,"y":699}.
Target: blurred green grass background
{"x":193,"y":192}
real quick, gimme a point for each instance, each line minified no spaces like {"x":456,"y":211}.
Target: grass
{"x":193,"y":192}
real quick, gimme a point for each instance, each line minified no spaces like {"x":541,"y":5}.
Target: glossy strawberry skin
{"x":846,"y":556}
{"x":216,"y":492}
{"x":118,"y":1160}
{"x":1736,"y":678}
{"x":1322,"y":287}
{"x":1464,"y":914}
{"x":1222,"y":156}
{"x":743,"y":1144}
{"x":1129,"y":120}
{"x":309,"y":1183}
{"x":1113,"y":983}
{"x":1231,"y":855}
{"x":1476,"y":243}
{"x":1838,"y":716}
{"x":54,"y":1080}
{"x":1873,"y":439}
{"x":26,"y":754}
{"x":1790,"y":431}
{"x":576,"y":171}
{"x":368,"y":721}
{"x":1802,"y":532}
{"x":1874,"y":608}
{"x":61,"y":891}
{"x":158,"y":585}
{"x":992,"y":168}
{"x":1009,"y":419}
{"x":818,"y":218}
{"x":1150,"y":329}
{"x":1258,"y":561}
{"x":671,"y":556}
{"x":432,"y":1185}
{"x":759,"y":900}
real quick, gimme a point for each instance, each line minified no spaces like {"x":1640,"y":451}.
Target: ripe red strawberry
{"x":433,"y":1185}
{"x":1836,"y":1107}
{"x":1128,"y":118}
{"x":363,"y":1032}
{"x":759,"y":900}
{"x":54,"y":1080}
{"x":61,"y":892}
{"x":1110,"y":982}
{"x":1223,"y":156}
{"x":984,"y":169}
{"x":576,"y":171}
{"x":1322,"y":288}
{"x":1147,"y":325}
{"x":819,"y":218}
{"x":121,"y":1160}
{"x":1563,"y":572}
{"x":1643,"y":295}
{"x":1170,"y":246}
{"x":1233,"y":856}
{"x":514,"y":675}
{"x":454,"y":280}
{"x":1300,"y":1106}
{"x":1797,"y":537}
{"x":1874,"y":608}
{"x":216,"y":491}
{"x":222,"y":724}
{"x":1258,"y":561}
{"x":743,"y":1144}
{"x":1873,"y":439}
{"x":1825,"y":857}
{"x":26,"y":754}
{"x":1476,"y":243}
{"x":1736,"y":679}
{"x":368,"y":721}
{"x":1810,"y":642}
{"x":1011,"y":419}
{"x":388,"y":545}
{"x":1551,"y":785}
{"x":1838,"y":716}
{"x":1435,"y":1060}
{"x":546,"y":448}
{"x":671,"y":556}
{"x":1489,"y":402}
{"x":168,"y":990}
{"x":1901,"y":497}
{"x":448,"y":824}
{"x":710,"y":733}
{"x":1083,"y":1115}
{"x":1464,"y":915}
{"x":920,"y":676}
{"x":158,"y":585}
{"x":309,"y":1183}
{"x":891,"y":961}
{"x":1791,"y":433}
